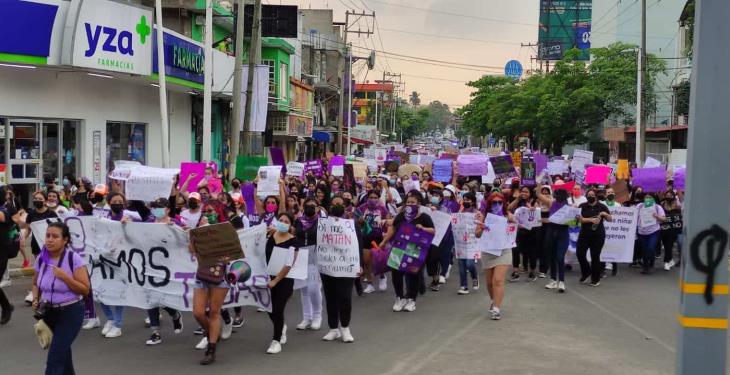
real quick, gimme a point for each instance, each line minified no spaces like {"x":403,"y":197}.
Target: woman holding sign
{"x":281,"y":244}
{"x":409,"y":214}
{"x":495,"y":266}
{"x":305,"y":228}
{"x":650,"y":216}
{"x":556,"y":237}
{"x":592,"y":236}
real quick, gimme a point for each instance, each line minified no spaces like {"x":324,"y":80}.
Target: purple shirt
{"x":58,"y":292}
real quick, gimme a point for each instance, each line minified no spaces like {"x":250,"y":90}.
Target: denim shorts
{"x":200,"y":284}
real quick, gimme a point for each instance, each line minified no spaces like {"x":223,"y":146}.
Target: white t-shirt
{"x":575,"y":202}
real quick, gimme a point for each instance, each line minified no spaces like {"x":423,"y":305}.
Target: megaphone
{"x":238,"y":272}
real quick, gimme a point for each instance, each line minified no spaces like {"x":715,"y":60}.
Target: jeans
{"x":65,"y":322}
{"x":593,"y":241}
{"x":338,"y":298}
{"x":412,"y":283}
{"x":113,"y":313}
{"x":154,"y":315}
{"x":557,"y":240}
{"x":279,"y":296}
{"x":649,"y":243}
{"x":464,"y":265}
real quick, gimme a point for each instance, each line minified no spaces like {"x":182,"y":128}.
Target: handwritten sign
{"x":565,"y":215}
{"x":472,"y":165}
{"x":464,"y":227}
{"x":498,"y":235}
{"x":282,"y":257}
{"x":269,"y":180}
{"x":580,"y":159}
{"x":314,"y":167}
{"x":442,"y":170}
{"x":441,"y":222}
{"x":337,"y":247}
{"x":528,"y":218}
{"x":650,"y":179}
{"x":295,"y":169}
{"x":215,"y":243}
{"x":620,"y":235}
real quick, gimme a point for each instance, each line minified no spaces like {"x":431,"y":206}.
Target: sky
{"x":484,"y":33}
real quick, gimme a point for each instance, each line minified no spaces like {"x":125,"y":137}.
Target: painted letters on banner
{"x":148,"y":265}
{"x":464,"y":225}
{"x":337,"y":252}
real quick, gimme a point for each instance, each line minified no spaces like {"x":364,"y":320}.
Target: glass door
{"x":25,"y":151}
{"x":51,"y":151}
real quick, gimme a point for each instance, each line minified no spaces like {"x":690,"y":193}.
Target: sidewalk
{"x":15,"y":266}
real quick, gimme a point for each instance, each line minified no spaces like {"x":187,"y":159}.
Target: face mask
{"x":414,"y":178}
{"x":337,"y":210}
{"x":410,"y":211}
{"x":117,"y":208}
{"x":309,"y":210}
{"x":497,"y":208}
{"x":236,"y":184}
{"x":601,"y":197}
{"x":435,"y":200}
{"x":591,"y":200}
{"x":38,"y":204}
{"x":212,"y":218}
{"x":192,"y":205}
{"x":391,"y":181}
{"x":372,"y":203}
{"x":271,"y":207}
{"x":467,"y":204}
{"x":282,"y":227}
{"x":576,"y":193}
{"x":648,"y":201}
{"x":66,"y":182}
{"x":611,"y":197}
{"x":158,"y":212}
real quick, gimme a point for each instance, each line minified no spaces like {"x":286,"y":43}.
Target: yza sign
{"x":110,"y":35}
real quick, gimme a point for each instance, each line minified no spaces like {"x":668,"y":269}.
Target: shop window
{"x":279,"y":122}
{"x":272,"y":76}
{"x":125,"y":141}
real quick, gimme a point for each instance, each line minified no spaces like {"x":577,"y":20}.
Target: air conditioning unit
{"x":682,"y":120}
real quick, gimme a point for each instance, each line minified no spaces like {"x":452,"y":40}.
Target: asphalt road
{"x":627,"y":325}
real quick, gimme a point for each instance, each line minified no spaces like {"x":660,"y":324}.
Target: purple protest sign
{"x":442,"y":170}
{"x":472,"y":165}
{"x":314,"y":167}
{"x":652,"y":180}
{"x":541,"y":162}
{"x":408,"y":248}
{"x":277,"y":158}
{"x":679,"y":178}
{"x":247,"y":190}
{"x":335,"y":161}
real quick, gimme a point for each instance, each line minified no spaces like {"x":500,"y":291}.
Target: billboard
{"x":564,"y":24}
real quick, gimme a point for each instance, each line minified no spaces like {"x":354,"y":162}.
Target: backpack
{"x":13,"y":242}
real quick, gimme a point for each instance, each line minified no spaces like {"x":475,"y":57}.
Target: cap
{"x":194,"y":195}
{"x":451,"y":188}
{"x":101,"y":189}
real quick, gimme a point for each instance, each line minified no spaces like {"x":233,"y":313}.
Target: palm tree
{"x":415,"y":99}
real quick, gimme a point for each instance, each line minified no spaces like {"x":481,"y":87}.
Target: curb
{"x":19,"y":272}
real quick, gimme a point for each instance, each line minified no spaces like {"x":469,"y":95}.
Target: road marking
{"x":689,"y":288}
{"x":709,"y":323}
{"x":624,"y":321}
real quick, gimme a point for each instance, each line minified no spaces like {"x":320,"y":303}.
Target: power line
{"x":377,"y":27}
{"x":454,"y":14}
{"x":450,"y":37}
{"x":618,"y":14}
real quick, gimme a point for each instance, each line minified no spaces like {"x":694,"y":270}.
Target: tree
{"x":415,"y":99}
{"x":440,"y":116}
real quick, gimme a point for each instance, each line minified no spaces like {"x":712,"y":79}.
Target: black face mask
{"x":611,"y":197}
{"x":38,"y":204}
{"x":192,"y":205}
{"x":337,"y":210}
{"x":236,"y":184}
{"x":467,"y":204}
{"x":117,"y":208}
{"x":591,"y":200}
{"x":309,"y":210}
{"x":96,"y":199}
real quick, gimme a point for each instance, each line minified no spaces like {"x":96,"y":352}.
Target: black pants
{"x":593,"y":241}
{"x":526,"y":249}
{"x":4,"y":303}
{"x":338,"y":298}
{"x":668,"y":240}
{"x":433,"y":261}
{"x":279,"y":296}
{"x":412,"y":283}
{"x":543,"y":250}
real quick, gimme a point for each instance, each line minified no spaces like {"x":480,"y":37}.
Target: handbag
{"x":43,"y":333}
{"x":214,"y":274}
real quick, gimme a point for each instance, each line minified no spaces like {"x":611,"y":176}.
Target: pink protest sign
{"x":186,"y":168}
{"x":336,"y":160}
{"x":597,"y":174}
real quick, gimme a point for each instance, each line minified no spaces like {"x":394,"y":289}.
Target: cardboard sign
{"x":464,"y":227}
{"x":314,"y":167}
{"x":215,"y":243}
{"x":360,"y":170}
{"x":620,"y":235}
{"x":557,"y":167}
{"x":441,"y":222}
{"x":338,"y":253}
{"x":408,"y":169}
{"x":527,"y":171}
{"x":498,"y":235}
{"x":269,"y":180}
{"x":409,"y":248}
{"x":297,"y":260}
{"x":277,"y":158}
{"x":565,"y":215}
{"x":650,"y":162}
{"x":528,"y":218}
{"x":336,"y":160}
{"x":580,"y":159}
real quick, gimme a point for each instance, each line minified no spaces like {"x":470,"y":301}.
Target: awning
{"x":321,"y":136}
{"x":359,"y":141}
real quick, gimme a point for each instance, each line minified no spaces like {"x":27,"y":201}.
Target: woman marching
{"x":495,"y":266}
{"x":338,"y":290}
{"x":527,"y":239}
{"x":556,"y":239}
{"x":305,"y":228}
{"x":410,"y":214}
{"x":672,"y":228}
{"x":592,"y":236}
{"x":281,"y":287}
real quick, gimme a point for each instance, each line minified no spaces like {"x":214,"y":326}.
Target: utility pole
{"x":254,"y":58}
{"x":538,"y":58}
{"x":349,"y":101}
{"x":640,"y":105}
{"x":208,"y":81}
{"x":162,"y":82}
{"x":703,"y":315}
{"x":348,"y":68}
{"x":237,"y":83}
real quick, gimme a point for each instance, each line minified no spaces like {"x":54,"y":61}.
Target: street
{"x":627,"y":325}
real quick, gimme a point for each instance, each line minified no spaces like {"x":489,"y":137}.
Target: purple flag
{"x":679,"y":178}
{"x":472,"y":165}
{"x":277,"y":158}
{"x":652,"y":180}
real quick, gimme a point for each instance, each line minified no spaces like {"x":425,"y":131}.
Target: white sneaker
{"x":672,"y":264}
{"x":274,"y":347}
{"x":399,"y":304}
{"x":463,"y":290}
{"x":332,"y":335}
{"x":346,"y":335}
{"x":227,"y":330}
{"x":442,"y":280}
{"x":147,"y":322}
{"x":410,"y":306}
{"x":29,"y":298}
{"x":283,"y":336}
{"x":316,"y":324}
{"x":203,"y":344}
{"x":107,"y":327}
{"x":369,"y":289}
{"x":609,"y":267}
{"x":552,"y":285}
{"x":383,"y":284}
{"x":114,"y":332}
{"x":91,"y":323}
{"x":561,"y":287}
{"x":304,"y":324}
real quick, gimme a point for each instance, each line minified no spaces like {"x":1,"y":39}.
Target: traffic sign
{"x":513,"y":69}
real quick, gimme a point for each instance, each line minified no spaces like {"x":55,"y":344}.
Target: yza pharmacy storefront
{"x":78,"y":90}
